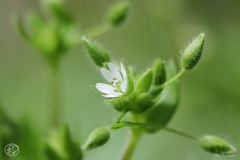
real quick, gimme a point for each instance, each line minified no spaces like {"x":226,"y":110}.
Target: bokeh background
{"x":210,"y":102}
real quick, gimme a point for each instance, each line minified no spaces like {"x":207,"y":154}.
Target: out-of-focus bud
{"x":192,"y":54}
{"x":61,"y":145}
{"x":118,"y":13}
{"x":97,"y":53}
{"x":144,"y":82}
{"x":97,"y":138}
{"x":216,"y":145}
{"x":159,"y":73}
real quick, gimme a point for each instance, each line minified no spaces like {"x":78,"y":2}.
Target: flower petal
{"x":115,"y":71}
{"x":112,"y":95}
{"x":105,"y":88}
{"x":107,"y":74}
{"x":125,"y":79}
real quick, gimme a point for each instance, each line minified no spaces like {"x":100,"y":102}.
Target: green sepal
{"x":142,"y":103}
{"x":144,"y":82}
{"x":97,"y":53}
{"x":117,"y":13}
{"x":155,"y":94}
{"x":216,"y":145}
{"x":162,"y":111}
{"x":97,"y":138}
{"x":159,"y":73}
{"x":60,"y":145}
{"x":122,"y":103}
{"x":17,"y":21}
{"x":192,"y":54}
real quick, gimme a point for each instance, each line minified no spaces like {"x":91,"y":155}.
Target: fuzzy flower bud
{"x":98,"y":54}
{"x":159,"y":73}
{"x":97,"y":138}
{"x":192,"y":53}
{"x":118,"y":13}
{"x":216,"y":145}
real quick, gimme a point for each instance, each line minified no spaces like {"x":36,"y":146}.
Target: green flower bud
{"x":118,"y":13}
{"x":97,"y":138}
{"x":192,"y":53}
{"x":144,"y":82}
{"x":97,"y":53}
{"x":216,"y":145}
{"x":159,"y":73}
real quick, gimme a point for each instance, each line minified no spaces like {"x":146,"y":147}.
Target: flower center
{"x":115,"y":82}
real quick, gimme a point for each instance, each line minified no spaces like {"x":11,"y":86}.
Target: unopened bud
{"x":98,"y":54}
{"x":97,"y":138}
{"x":192,"y":53}
{"x":159,"y":74}
{"x":118,"y":13}
{"x":216,"y":145}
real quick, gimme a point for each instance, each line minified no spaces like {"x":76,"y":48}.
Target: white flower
{"x":118,"y":81}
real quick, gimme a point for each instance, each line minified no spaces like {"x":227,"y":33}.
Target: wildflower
{"x":118,"y":80}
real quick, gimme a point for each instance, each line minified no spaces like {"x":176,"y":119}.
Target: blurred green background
{"x":210,"y":102}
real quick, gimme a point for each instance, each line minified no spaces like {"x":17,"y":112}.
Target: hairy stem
{"x":173,"y":79}
{"x":121,"y":115}
{"x":180,"y":133}
{"x":131,"y":143}
{"x":54,"y":93}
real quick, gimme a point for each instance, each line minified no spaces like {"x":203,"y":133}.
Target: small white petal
{"x":107,"y":74}
{"x":125,"y":79}
{"x":115,"y":71}
{"x":105,"y":88}
{"x":112,"y":94}
{"x":103,"y":85}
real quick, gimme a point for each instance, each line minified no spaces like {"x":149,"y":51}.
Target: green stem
{"x":55,"y":110}
{"x":97,"y":30}
{"x":180,"y":133}
{"x":120,"y":116}
{"x":131,"y":143}
{"x":173,"y":79}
